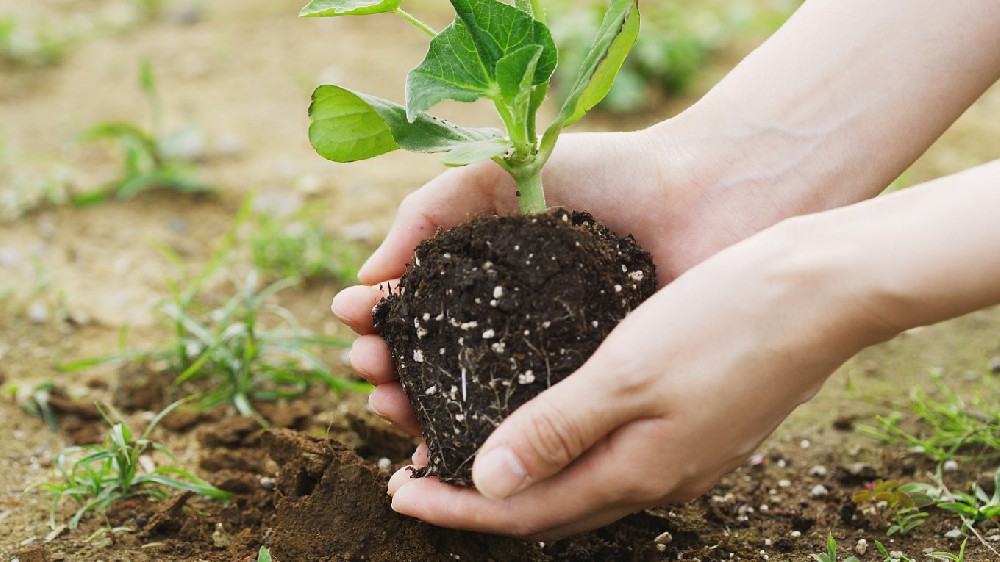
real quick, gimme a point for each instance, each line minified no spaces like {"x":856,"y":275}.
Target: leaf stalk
{"x":417,"y":23}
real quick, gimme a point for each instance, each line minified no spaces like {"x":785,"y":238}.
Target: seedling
{"x":972,"y":508}
{"x":892,"y":505}
{"x":490,"y":51}
{"x":98,"y":476}
{"x":146,"y":164}
{"x":264,"y":555}
{"x":956,"y":429}
{"x":897,"y":556}
{"x":831,"y":553}
{"x":35,"y":401}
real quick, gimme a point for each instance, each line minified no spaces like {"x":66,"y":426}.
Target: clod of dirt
{"x":332,"y":506}
{"x":236,"y":431}
{"x":495,"y":311}
{"x":169,"y":518}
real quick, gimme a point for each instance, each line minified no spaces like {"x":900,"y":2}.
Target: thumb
{"x":549,"y":432}
{"x":447,"y":200}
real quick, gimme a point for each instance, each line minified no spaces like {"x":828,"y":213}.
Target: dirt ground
{"x":72,"y":281}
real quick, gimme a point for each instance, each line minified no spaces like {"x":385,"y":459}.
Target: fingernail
{"x":365,"y":268}
{"x":498,"y":473}
{"x":371,"y":406}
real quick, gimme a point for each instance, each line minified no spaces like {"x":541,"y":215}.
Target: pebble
{"x":819,"y":491}
{"x":805,"y":444}
{"x":953,"y":534}
{"x":267,"y":482}
{"x":9,"y":257}
{"x":187,"y":144}
{"x":861,"y":546}
{"x":795,"y":534}
{"x":949,"y":466}
{"x":38,"y":313}
{"x":664,"y":538}
{"x":818,"y":470}
{"x":784,"y":483}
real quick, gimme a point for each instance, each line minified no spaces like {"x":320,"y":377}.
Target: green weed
{"x":831,"y":553}
{"x":898,"y":556}
{"x":299,"y":248}
{"x":32,"y":46}
{"x":972,"y":508}
{"x":147,"y":165}
{"x":952,"y":428}
{"x":264,"y":555}
{"x":97,"y":476}
{"x":891,"y":505}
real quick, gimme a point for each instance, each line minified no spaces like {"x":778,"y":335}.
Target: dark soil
{"x":494,"y":311}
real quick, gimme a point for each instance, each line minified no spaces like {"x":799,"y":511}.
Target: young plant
{"x":954,"y":429}
{"x":98,"y":476}
{"x":892,"y":505}
{"x":897,"y":556}
{"x":974,"y":507}
{"x":492,"y":51}
{"x":831,"y":553}
{"x":264,"y":555}
{"x":147,"y":164}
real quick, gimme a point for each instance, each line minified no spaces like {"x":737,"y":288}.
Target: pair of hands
{"x":679,"y":394}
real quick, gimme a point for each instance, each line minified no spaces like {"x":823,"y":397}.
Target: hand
{"x":617,"y":176}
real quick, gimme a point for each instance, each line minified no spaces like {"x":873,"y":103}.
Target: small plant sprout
{"x":97,"y":476}
{"x":264,"y":555}
{"x":892,"y":505}
{"x":147,"y":164}
{"x":491,"y":51}
{"x":831,"y":553}
{"x":298,"y":247}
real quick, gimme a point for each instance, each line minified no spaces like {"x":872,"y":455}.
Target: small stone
{"x":953,"y":534}
{"x":38,"y":313}
{"x":664,"y":538}
{"x":861,"y":546}
{"x":795,"y":534}
{"x":949,"y":466}
{"x":267,"y":483}
{"x":805,"y":444}
{"x":784,"y":483}
{"x":819,"y":491}
{"x":995,"y":365}
{"x":818,"y":470}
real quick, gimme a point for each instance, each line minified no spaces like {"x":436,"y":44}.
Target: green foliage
{"x":264,"y":555}
{"x":146,"y":163}
{"x":951,"y":428}
{"x":32,"y":46}
{"x":247,"y":348}
{"x":972,"y":508}
{"x":35,"y":401}
{"x":676,"y":43}
{"x":892,"y":505}
{"x":299,"y":248}
{"x":492,"y":51}
{"x":831,"y":553}
{"x":897,"y":556}
{"x":97,"y":476}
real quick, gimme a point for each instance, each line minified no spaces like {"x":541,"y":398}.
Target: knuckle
{"x":555,"y":439}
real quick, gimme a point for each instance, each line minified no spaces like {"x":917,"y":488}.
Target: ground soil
{"x":465,"y":359}
{"x":75,"y":282}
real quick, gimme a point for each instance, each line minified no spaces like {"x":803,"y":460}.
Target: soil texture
{"x":494,"y":311}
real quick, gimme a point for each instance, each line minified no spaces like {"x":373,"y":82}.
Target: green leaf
{"x":330,"y":8}
{"x":348,"y":126}
{"x":499,"y":29}
{"x":463,"y":62}
{"x":614,"y":39}
{"x":514,"y":74}
{"x":452,"y":69}
{"x":344,"y":128}
{"x":477,"y":151}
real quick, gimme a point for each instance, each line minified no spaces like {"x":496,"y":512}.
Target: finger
{"x":554,"y":428}
{"x":619,"y":475}
{"x":445,"y":201}
{"x":389,"y":402}
{"x":353,"y":305}
{"x":371,"y":359}
{"x":419,"y":457}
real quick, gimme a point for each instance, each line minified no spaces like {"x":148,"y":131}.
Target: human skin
{"x":813,"y":120}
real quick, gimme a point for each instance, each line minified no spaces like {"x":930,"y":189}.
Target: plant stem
{"x":537,"y":11}
{"x":419,"y":24}
{"x":530,"y":194}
